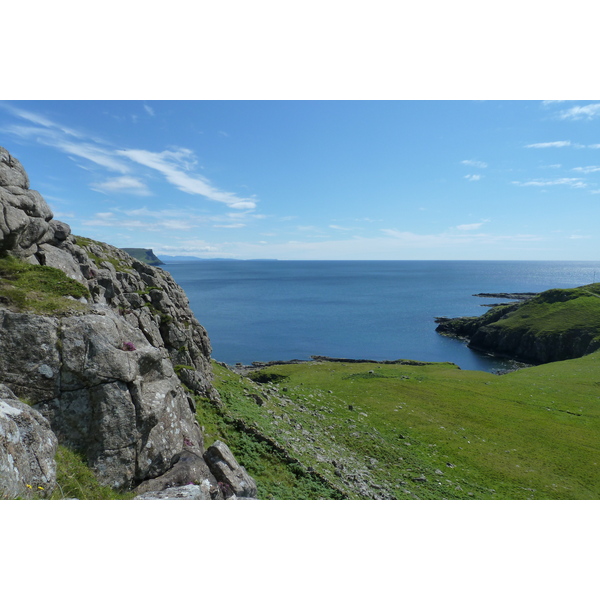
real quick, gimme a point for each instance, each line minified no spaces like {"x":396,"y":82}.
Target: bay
{"x":375,"y":310}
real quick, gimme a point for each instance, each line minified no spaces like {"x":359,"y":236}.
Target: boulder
{"x":188,"y":467}
{"x":185,"y":492}
{"x":27,"y":450}
{"x":232,"y":477}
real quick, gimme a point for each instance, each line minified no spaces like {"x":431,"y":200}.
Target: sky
{"x":325,"y":180}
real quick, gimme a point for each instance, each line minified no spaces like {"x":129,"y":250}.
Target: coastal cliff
{"x":103,"y":353}
{"x":558,"y":324}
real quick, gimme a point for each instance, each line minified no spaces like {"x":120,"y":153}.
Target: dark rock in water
{"x":513,"y":296}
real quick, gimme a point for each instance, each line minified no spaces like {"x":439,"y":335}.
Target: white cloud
{"x":231,"y":226}
{"x":172,"y":164}
{"x":124,"y":184}
{"x":589,"y":111}
{"x":586,"y":170}
{"x":149,"y":110}
{"x":340,"y":228}
{"x":560,"y":144}
{"x":570,"y":181}
{"x":475,"y":163}
{"x":473,"y":177}
{"x":471,"y":226}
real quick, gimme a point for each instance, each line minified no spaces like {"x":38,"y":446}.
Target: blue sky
{"x":319,"y":179}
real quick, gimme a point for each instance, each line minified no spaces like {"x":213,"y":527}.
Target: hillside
{"x":558,"y":324}
{"x":144,"y":255}
{"x":413,"y":431}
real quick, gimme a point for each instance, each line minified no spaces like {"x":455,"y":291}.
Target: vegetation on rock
{"x":39,"y":289}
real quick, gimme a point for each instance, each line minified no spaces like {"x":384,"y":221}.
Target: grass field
{"x":431,"y":431}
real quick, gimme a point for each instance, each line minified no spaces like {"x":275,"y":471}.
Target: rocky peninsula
{"x":555,"y":325}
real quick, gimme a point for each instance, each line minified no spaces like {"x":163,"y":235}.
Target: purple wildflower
{"x":128,"y":346}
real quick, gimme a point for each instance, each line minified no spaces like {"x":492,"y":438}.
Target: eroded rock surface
{"x":27,"y":450}
{"x":109,"y":380}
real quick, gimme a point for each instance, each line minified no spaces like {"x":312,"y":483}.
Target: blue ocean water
{"x":377,"y":310}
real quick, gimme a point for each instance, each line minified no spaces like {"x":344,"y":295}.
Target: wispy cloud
{"x":560,"y":144}
{"x":149,"y":110}
{"x":172,"y":164}
{"x":124,"y":184}
{"x":471,"y":226}
{"x":588,"y":111}
{"x":586,"y":170}
{"x":478,"y":164}
{"x":574,"y":182}
{"x":473,"y":177}
{"x":340,"y":228}
{"x":176,"y":165}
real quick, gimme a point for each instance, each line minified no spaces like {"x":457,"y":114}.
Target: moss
{"x":39,"y":289}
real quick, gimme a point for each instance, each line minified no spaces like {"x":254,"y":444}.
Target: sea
{"x":279,"y":310}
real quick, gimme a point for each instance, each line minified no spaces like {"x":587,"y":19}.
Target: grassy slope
{"x":558,"y":311}
{"x":528,"y":434}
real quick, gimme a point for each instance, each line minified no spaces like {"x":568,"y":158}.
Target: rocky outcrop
{"x":27,"y":449}
{"x":117,"y":378}
{"x":532,"y":331}
{"x":232,"y":477}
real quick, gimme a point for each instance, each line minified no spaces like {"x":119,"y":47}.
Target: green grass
{"x":533,"y":433}
{"x":277,"y":474}
{"x":558,"y":311}
{"x":76,"y":480}
{"x":39,"y":289}
{"x":92,"y":248}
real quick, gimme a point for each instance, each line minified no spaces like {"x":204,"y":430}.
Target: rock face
{"x":27,"y":449}
{"x":109,"y":377}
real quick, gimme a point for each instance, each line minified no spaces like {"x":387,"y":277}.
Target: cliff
{"x":106,"y":349}
{"x":558,"y":324}
{"x":145,"y":255}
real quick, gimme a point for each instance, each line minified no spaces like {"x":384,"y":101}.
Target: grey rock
{"x":185,"y":492}
{"x":27,"y":450}
{"x":104,"y":379}
{"x":188,"y":468}
{"x":228,"y":472}
{"x":28,"y":352}
{"x":51,"y":256}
